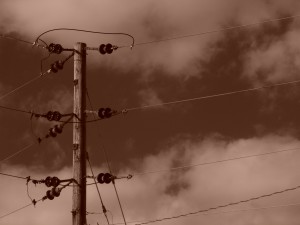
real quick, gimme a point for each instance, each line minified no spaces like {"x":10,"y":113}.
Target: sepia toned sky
{"x":160,"y":68}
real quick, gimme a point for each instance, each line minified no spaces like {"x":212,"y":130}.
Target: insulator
{"x":108,"y":48}
{"x":52,"y":132}
{"x":108,"y":112}
{"x":55,"y":191}
{"x":101,"y":113}
{"x":104,"y":113}
{"x":58,"y":129}
{"x":50,"y":115}
{"x":58,"y":65}
{"x":51,"y":47}
{"x":100,"y":178}
{"x":58,"y":49}
{"x":55,"y":182}
{"x":48,"y":181}
{"x":107,"y":178}
{"x":56,"y":116}
{"x":102,"y":49}
{"x":54,"y":69}
{"x":49,"y":195}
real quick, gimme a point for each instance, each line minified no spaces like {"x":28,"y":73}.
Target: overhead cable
{"x":17,"y":153}
{"x":10,"y":175}
{"x":214,"y":162}
{"x":17,"y":110}
{"x":220,"y":206}
{"x":39,"y":140}
{"x":245,"y":210}
{"x":217,"y":30}
{"x":107,"y":162}
{"x":210,"y":96}
{"x":21,"y":40}
{"x":52,"y":69}
{"x":86,"y":31}
{"x":32,"y":203}
{"x":101,"y":201}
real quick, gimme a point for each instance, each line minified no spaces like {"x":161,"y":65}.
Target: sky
{"x":147,"y":142}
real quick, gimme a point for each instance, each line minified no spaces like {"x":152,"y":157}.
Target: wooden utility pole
{"x":79,"y":136}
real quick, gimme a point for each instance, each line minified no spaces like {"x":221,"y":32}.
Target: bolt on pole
{"x":79,"y":136}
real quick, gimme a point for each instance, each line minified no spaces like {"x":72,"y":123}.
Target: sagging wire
{"x":86,"y":31}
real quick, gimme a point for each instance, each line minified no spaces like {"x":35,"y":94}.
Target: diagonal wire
{"x":233,"y":211}
{"x":12,"y":212}
{"x":215,"y":162}
{"x":108,"y":165}
{"x":23,"y":41}
{"x":19,"y":87}
{"x":33,"y":79}
{"x":13,"y":109}
{"x":220,"y":206}
{"x":212,"y":96}
{"x":102,"y":204}
{"x":24,"y":85}
{"x":10,"y":175}
{"x":17,"y":153}
{"x":217,"y":30}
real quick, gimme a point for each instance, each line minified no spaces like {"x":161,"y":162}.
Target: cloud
{"x":146,"y":21}
{"x":158,"y":195}
{"x":149,"y":97}
{"x":274,"y":60}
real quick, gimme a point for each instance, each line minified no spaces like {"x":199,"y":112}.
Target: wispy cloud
{"x":165,"y":194}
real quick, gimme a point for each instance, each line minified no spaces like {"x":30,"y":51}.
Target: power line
{"x":17,"y":153}
{"x":108,"y":165}
{"x":14,"y":109}
{"x":232,"y":211}
{"x":217,"y":30}
{"x":15,"y":39}
{"x":211,"y":96}
{"x":85,"y":31}
{"x":25,"y":84}
{"x":102,"y":204}
{"x":220,"y":206}
{"x":10,"y":175}
{"x":32,"y":203}
{"x":22,"y":41}
{"x":52,"y":69}
{"x":215,"y":162}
